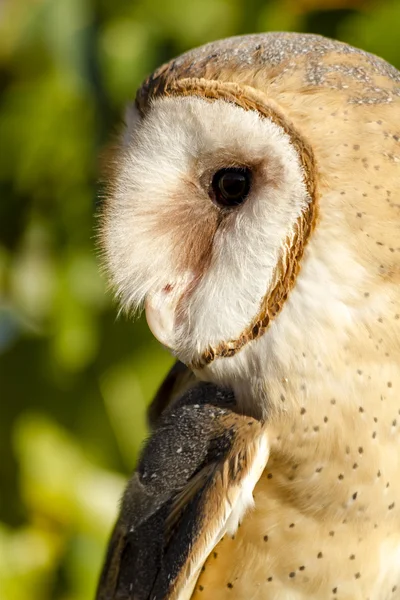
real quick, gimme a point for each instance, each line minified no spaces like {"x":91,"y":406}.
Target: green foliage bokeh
{"x":75,"y":379}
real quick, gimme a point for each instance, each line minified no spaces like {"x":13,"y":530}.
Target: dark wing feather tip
{"x":176,"y":494}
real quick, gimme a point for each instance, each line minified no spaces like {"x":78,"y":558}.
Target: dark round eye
{"x":231,"y":186}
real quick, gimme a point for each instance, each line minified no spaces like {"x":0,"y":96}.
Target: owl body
{"x":291,"y":298}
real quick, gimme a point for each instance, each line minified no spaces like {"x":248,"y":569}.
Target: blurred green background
{"x":74,"y":379}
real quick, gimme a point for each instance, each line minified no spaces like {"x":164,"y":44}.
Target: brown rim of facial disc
{"x":288,"y":265}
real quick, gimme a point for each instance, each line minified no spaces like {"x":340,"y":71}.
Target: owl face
{"x":203,"y":212}
{"x":253,"y":212}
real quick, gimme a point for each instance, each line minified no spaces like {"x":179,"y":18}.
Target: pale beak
{"x":160,"y":315}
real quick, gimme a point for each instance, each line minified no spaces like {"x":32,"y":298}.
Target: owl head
{"x":247,"y":201}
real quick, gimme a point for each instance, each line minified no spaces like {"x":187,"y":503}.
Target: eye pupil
{"x":231,"y":186}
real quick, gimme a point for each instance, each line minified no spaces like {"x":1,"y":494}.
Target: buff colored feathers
{"x":291,"y":299}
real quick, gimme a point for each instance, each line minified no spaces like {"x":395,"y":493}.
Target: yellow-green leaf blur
{"x":75,"y":378}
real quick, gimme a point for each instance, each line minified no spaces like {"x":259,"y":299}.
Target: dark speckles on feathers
{"x":285,"y":53}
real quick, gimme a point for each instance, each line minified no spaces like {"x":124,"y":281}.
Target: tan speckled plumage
{"x":326,"y":523}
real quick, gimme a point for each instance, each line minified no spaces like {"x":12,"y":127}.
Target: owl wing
{"x":177,"y":381}
{"x":193,"y":483}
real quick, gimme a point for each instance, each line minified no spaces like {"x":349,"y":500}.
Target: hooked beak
{"x":160,"y":309}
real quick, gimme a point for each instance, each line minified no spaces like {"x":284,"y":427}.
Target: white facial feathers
{"x":163,"y":234}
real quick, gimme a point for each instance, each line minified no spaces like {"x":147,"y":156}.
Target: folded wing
{"x":193,"y":484}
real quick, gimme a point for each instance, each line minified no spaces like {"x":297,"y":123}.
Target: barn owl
{"x":254,"y":210}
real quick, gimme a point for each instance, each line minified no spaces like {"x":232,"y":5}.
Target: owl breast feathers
{"x":253,"y":208}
